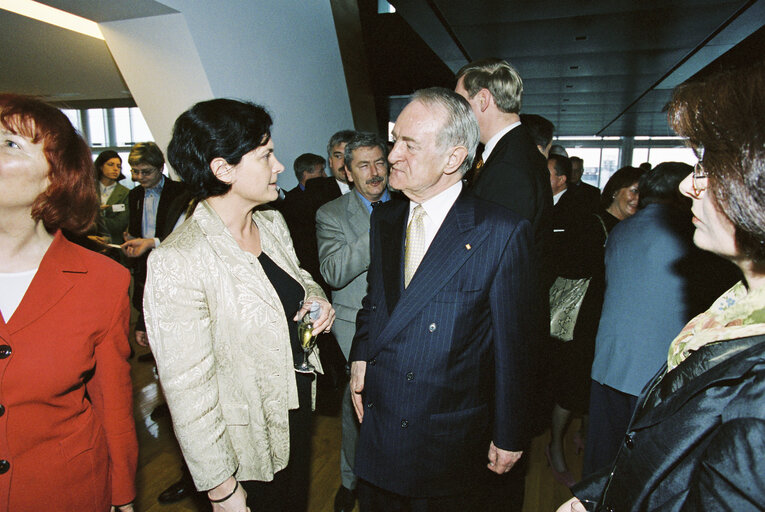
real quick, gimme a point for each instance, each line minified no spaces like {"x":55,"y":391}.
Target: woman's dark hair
{"x":661,"y":184}
{"x":102,"y":158}
{"x":622,"y":178}
{"x":70,"y":202}
{"x":723,"y":118}
{"x":221,"y":128}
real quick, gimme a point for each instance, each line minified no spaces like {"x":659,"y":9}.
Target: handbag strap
{"x":603,"y":224}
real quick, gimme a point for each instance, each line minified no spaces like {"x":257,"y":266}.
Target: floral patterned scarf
{"x":738,"y":313}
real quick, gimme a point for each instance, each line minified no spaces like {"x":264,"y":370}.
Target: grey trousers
{"x":344,"y":331}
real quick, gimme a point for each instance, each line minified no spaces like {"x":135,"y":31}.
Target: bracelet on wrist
{"x":227,"y":496}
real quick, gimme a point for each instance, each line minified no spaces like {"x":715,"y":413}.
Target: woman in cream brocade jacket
{"x":219,"y":334}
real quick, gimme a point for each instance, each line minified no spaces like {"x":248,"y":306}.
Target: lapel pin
{"x":467,"y":246}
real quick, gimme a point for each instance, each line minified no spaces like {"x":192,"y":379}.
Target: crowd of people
{"x":468,"y":289}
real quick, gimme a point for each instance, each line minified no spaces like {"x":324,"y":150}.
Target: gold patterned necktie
{"x":415,"y":243}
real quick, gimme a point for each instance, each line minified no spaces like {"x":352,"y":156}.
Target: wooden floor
{"x":159,"y":459}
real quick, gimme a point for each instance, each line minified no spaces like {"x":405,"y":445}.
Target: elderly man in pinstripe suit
{"x":441,"y":355}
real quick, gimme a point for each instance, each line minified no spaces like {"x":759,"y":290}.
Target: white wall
{"x":281,"y":54}
{"x":161,"y":67}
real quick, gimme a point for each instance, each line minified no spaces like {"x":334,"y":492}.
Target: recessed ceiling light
{"x":52,"y":16}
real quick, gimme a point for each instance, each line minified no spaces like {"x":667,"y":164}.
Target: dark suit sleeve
{"x":512,"y":296}
{"x":731,"y":473}
{"x":134,"y":224}
{"x":361,"y":336}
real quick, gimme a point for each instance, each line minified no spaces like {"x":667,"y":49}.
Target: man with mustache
{"x":342,"y":231}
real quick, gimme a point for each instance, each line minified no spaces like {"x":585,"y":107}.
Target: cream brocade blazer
{"x":219,"y":334}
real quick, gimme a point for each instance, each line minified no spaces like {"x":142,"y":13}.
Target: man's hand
{"x":141,"y":338}
{"x":501,"y":461}
{"x":572,"y":505}
{"x":137,"y":246}
{"x":358,"y":371}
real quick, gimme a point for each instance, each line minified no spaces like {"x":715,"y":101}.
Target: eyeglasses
{"x":144,"y":172}
{"x":700,"y":179}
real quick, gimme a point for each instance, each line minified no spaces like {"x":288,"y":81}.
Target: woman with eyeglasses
{"x":697,"y":438}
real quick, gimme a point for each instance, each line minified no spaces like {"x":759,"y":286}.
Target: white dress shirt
{"x":13,"y":286}
{"x":489,"y":147}
{"x":436,"y":209}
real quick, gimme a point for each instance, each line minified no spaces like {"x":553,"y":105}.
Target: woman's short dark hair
{"x":102,"y":158}
{"x":220,"y":128}
{"x":660,"y":184}
{"x":70,"y":202}
{"x":723,"y":118}
{"x":622,"y":178}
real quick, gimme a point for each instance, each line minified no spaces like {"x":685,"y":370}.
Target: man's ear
{"x":456,"y":157}
{"x":221,"y":169}
{"x":348,"y":175}
{"x":484,"y":99}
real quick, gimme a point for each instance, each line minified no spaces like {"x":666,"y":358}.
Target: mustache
{"x":374,"y":180}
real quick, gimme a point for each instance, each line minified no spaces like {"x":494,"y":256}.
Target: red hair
{"x":70,"y":202}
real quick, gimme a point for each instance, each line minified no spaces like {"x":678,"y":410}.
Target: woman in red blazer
{"x":67,"y":435}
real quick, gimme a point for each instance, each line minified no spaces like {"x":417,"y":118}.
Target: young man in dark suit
{"x":439,"y":361}
{"x":154,"y":207}
{"x":513,"y":173}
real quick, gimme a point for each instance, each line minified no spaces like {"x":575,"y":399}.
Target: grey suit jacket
{"x":342,"y":232}
{"x":219,"y":333}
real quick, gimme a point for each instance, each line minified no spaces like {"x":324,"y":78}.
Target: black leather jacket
{"x":697,"y":439}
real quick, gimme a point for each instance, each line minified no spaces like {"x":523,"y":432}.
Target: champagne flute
{"x":306,"y":337}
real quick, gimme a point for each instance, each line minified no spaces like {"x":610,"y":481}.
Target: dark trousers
{"x":490,"y":492}
{"x":375,"y":499}
{"x":288,"y":491}
{"x":610,"y":414}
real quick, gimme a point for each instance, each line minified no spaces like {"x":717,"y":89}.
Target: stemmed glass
{"x":306,"y":337}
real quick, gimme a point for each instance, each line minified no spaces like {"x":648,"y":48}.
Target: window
{"x":599,"y":162}
{"x":117,"y":129}
{"x":657,"y":155}
{"x":384,"y":7}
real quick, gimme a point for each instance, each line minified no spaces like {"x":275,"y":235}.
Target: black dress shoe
{"x":183,"y":488}
{"x":345,"y":500}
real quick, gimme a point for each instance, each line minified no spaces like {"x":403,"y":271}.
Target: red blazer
{"x":67,"y":434}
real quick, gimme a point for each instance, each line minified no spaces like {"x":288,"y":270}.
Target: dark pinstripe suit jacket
{"x":447,"y":357}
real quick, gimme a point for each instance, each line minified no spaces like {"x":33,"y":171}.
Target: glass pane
{"x":639,"y":155}
{"x":74,"y":118}
{"x":591,"y":159}
{"x":140,"y":129}
{"x":681,"y":154}
{"x":97,"y":127}
{"x":122,"y":126}
{"x":609,"y":164}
